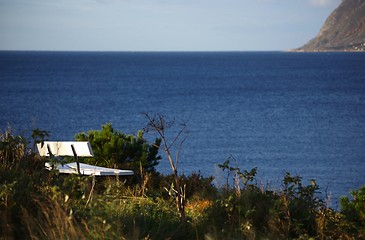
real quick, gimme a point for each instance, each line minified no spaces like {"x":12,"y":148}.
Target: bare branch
{"x":179,"y":149}
{"x":159,"y":124}
{"x":178,"y":135}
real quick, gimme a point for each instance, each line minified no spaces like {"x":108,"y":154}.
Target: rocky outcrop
{"x":344,"y":29}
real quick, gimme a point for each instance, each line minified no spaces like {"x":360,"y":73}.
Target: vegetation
{"x":40,"y":204}
{"x":177,"y":189}
{"x":115,"y":149}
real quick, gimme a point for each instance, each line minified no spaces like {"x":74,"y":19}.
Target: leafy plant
{"x":40,"y":204}
{"x":115,"y":149}
{"x":12,"y":150}
{"x":245,"y":178}
{"x":39,"y":136}
{"x":297,"y":207}
{"x":354,"y":212}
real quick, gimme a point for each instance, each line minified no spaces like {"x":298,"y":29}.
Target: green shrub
{"x":12,"y":150}
{"x":115,"y":149}
{"x":353,"y":212}
{"x":40,"y":204}
{"x":296,"y":208}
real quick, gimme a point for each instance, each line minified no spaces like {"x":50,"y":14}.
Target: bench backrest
{"x":82,"y":149}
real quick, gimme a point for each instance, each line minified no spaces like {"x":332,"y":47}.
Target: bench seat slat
{"x":87,"y":169}
{"x":83,"y":149}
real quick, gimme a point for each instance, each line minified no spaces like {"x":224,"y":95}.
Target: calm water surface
{"x":297,"y":112}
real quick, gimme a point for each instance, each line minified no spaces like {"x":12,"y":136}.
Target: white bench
{"x":75,"y":149}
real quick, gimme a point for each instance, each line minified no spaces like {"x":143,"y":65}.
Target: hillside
{"x":344,"y":29}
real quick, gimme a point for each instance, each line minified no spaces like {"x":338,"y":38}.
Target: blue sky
{"x":160,"y":25}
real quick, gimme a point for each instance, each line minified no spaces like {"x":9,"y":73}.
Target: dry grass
{"x":51,"y":221}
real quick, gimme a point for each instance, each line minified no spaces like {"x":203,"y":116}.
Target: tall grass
{"x":38,"y":204}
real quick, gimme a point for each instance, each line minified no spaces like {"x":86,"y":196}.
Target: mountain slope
{"x":344,"y":29}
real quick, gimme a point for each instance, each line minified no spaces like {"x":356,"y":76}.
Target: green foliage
{"x":39,"y":135}
{"x":159,"y":124}
{"x":245,"y":178}
{"x":115,"y":149}
{"x":12,"y":150}
{"x":40,"y":204}
{"x":18,"y":174}
{"x":249,"y":211}
{"x":196,"y":186}
{"x":353,"y":212}
{"x":297,"y":208}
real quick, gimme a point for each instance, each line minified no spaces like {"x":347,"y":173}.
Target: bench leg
{"x":77,"y":159}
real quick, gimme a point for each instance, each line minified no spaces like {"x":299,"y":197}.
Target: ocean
{"x":302,"y":113}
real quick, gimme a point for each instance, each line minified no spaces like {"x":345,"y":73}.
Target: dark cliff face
{"x":344,"y":29}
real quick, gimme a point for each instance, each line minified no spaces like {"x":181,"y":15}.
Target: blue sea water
{"x":278,"y":111}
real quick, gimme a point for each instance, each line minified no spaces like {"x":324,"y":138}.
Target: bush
{"x":40,"y":204}
{"x":247,"y":211}
{"x":12,"y":150}
{"x":20,"y":174}
{"x":115,"y":149}
{"x":353,"y":212}
{"x":296,"y":208}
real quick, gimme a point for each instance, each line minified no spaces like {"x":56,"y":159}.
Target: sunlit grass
{"x":38,"y":204}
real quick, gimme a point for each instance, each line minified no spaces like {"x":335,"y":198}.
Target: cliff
{"x":344,"y":29}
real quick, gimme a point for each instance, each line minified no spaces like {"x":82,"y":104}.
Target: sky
{"x":161,"y":25}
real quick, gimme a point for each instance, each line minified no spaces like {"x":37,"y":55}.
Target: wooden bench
{"x":76,"y":150}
